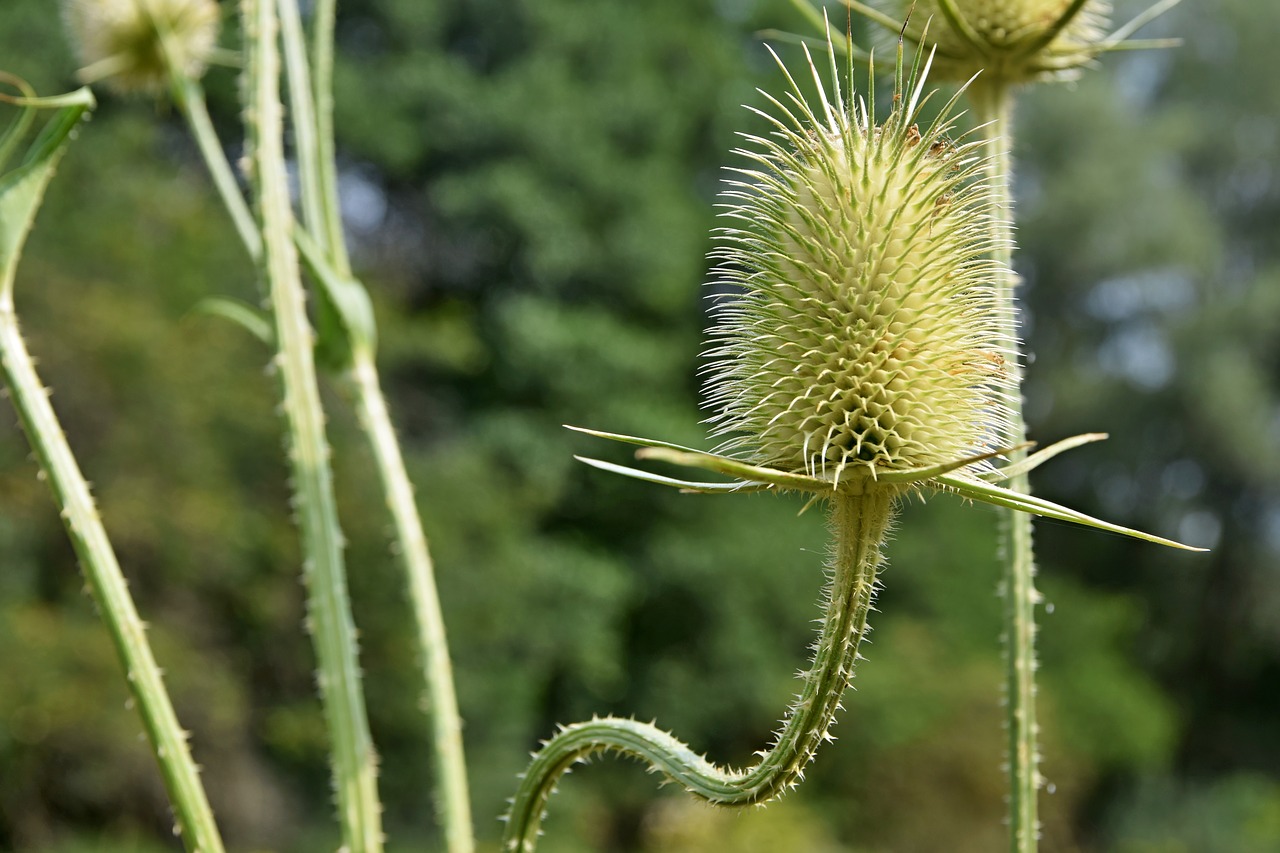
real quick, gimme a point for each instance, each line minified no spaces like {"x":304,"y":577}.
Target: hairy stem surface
{"x":319,"y":207}
{"x":451,"y":767}
{"x":107,"y":585}
{"x":993,"y":104}
{"x":329,"y":613}
{"x":859,"y":524}
{"x":21,"y":191}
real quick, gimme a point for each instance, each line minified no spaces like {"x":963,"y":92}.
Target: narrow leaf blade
{"x":1040,"y":457}
{"x":999,"y":496}
{"x":734,"y":468}
{"x":252,"y":320}
{"x":22,"y":189}
{"x":631,"y":439}
{"x":684,"y":485}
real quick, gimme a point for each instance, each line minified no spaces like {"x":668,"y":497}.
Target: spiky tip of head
{"x":1018,"y":40}
{"x":862,"y":329}
{"x":133,"y":45}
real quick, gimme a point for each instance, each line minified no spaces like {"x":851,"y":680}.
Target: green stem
{"x":322,"y":80}
{"x":107,"y":584}
{"x":188,"y":93}
{"x":375,"y":421}
{"x":451,"y":768}
{"x":993,"y":105}
{"x":313,"y":120}
{"x":303,"y":115}
{"x":859,"y":524}
{"x":190,"y":97}
{"x":329,"y":615}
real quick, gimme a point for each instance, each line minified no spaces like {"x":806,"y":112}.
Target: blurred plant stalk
{"x":324,"y":249}
{"x":992,"y":102}
{"x":328,"y":610}
{"x":166,"y":44}
{"x":21,"y":191}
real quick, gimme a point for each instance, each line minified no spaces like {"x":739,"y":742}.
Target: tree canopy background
{"x":529,"y":190}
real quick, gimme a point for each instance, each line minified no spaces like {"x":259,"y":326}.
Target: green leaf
{"x":676,"y":454}
{"x":740,"y":487}
{"x":734,"y":468}
{"x":999,"y":496}
{"x":345,"y":325}
{"x":22,"y":189}
{"x":1040,"y":457}
{"x":916,"y":475}
{"x":253,"y":320}
{"x":631,"y":439}
{"x":13,"y":136}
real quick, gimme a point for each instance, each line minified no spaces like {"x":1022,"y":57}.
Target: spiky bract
{"x":124,"y":42}
{"x":861,"y":333}
{"x":1015,"y":40}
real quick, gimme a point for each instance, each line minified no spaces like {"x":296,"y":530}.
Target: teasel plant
{"x":22,"y":189}
{"x":996,"y":48}
{"x":158,"y":47}
{"x":861,"y":356}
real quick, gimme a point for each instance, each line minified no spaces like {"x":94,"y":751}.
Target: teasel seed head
{"x":1015,"y":40}
{"x":133,"y":45}
{"x":861,"y":328}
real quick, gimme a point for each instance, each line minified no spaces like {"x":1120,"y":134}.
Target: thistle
{"x":862,"y":336}
{"x":861,"y":350}
{"x":857,"y":357}
{"x":1011,"y":41}
{"x":133,"y":45}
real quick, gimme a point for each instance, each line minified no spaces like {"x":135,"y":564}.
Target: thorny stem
{"x":859,"y":524}
{"x":329,"y":615}
{"x":318,"y":200}
{"x":451,"y":767}
{"x":71,"y":492}
{"x":992,"y":100}
{"x":107,"y":585}
{"x":313,"y":134}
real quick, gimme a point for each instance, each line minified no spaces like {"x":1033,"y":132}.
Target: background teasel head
{"x":861,"y":334}
{"x":124,"y":42}
{"x":1014,"y":40}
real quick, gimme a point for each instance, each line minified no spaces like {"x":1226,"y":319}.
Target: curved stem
{"x":859,"y":524}
{"x":190,"y":98}
{"x":188,"y":93}
{"x":107,"y":584}
{"x":451,"y":767}
{"x":303,"y":121}
{"x":993,"y":105}
{"x":329,"y":612}
{"x":21,"y":192}
{"x":322,"y":79}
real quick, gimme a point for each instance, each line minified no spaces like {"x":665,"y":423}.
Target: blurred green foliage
{"x":530,"y":190}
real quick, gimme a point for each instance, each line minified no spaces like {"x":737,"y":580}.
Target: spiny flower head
{"x":861,"y":333}
{"x":125,"y":42}
{"x":1016,"y":40}
{"x":857,"y":348}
